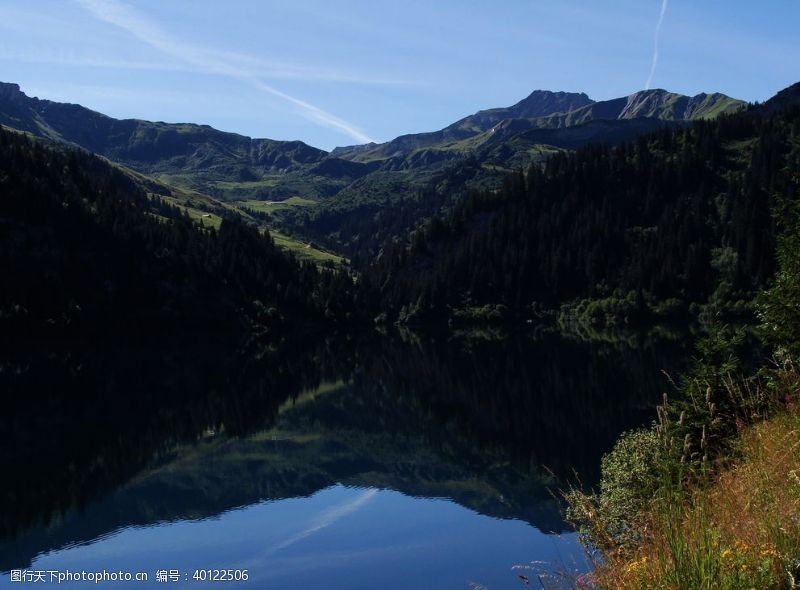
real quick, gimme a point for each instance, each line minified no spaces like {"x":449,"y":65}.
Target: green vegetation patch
{"x":304,"y":250}
{"x":272,"y":206}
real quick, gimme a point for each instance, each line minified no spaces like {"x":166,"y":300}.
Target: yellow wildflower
{"x":741,"y":546}
{"x":636,"y":565}
{"x":768,"y":552}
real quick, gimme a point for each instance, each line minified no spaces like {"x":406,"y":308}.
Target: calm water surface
{"x":352,"y":463}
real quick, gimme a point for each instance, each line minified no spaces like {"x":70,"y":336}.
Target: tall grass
{"x":715,"y":504}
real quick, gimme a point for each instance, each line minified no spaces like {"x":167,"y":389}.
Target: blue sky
{"x":343,"y":72}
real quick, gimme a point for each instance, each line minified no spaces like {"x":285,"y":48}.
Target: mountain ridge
{"x":475,"y":151}
{"x":155,"y":146}
{"x":548,"y":109}
{"x":11,"y":93}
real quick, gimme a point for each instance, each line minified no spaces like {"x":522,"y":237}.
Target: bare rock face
{"x":540,"y":103}
{"x":669,"y":106}
{"x":10,"y":91}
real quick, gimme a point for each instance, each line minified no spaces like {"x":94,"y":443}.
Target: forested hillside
{"x":475,"y":152}
{"x":679,"y":216}
{"x":84,"y":248}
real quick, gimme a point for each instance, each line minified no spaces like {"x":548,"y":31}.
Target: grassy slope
{"x":272,"y":206}
{"x":742,"y":531}
{"x":304,"y":250}
{"x":208,"y":212}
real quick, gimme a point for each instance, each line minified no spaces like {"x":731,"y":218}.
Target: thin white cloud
{"x":256,"y":67}
{"x":225,"y":64}
{"x":654,"y":63}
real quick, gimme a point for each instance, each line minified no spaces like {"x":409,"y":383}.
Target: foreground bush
{"x":662,"y":520}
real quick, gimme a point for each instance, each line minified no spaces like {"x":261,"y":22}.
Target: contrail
{"x":125,"y":17}
{"x":327,"y":518}
{"x":655,"y":44}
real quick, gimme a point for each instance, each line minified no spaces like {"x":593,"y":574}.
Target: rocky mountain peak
{"x":9,"y":91}
{"x":540,"y":103}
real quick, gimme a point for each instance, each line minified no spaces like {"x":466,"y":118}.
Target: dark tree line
{"x":684,"y":213}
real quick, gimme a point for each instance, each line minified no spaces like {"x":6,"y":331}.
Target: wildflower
{"x":741,"y":546}
{"x":636,"y":565}
{"x":768,"y":552}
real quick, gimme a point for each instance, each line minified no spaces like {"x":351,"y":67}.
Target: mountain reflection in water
{"x":392,"y":451}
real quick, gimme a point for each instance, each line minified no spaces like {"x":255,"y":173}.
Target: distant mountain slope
{"x":482,"y":148}
{"x":785,"y":98}
{"x":652,"y":104}
{"x":146,"y":143}
{"x":156,"y":148}
{"x":545,"y":109}
{"x":540,"y":103}
{"x":234,"y":166}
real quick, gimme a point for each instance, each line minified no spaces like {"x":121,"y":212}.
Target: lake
{"x":352,"y":462}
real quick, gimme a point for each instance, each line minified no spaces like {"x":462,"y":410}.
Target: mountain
{"x":340,"y":192}
{"x":195,"y":156}
{"x":481,"y":149}
{"x":785,"y":98}
{"x":545,"y":109}
{"x":685,"y":214}
{"x":652,"y":104}
{"x":234,"y":166}
{"x":540,"y":103}
{"x":151,"y":146}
